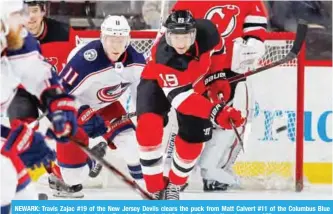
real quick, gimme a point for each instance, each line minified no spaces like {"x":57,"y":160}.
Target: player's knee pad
{"x":149,"y":131}
{"x":216,"y":148}
{"x":74,"y":176}
{"x":127,"y":145}
{"x":69,"y":154}
{"x":194,"y":129}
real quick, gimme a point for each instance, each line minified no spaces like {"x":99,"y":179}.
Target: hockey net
{"x":270,"y":160}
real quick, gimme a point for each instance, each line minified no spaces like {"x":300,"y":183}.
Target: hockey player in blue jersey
{"x":21,"y":146}
{"x":98,"y":75}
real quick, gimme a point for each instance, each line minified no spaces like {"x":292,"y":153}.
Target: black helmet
{"x":40,"y":3}
{"x":180,"y":22}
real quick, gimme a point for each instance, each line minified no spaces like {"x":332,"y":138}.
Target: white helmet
{"x":115,"y":26}
{"x":8,"y":7}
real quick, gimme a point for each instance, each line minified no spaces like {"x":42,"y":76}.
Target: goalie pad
{"x":222,"y":150}
{"x":246,"y":54}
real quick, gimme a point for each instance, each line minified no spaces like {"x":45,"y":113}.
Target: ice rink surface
{"x":315,"y":192}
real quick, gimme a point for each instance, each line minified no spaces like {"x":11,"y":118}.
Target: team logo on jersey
{"x":90,"y":55}
{"x":52,"y":60}
{"x":112,"y":93}
{"x":226,"y":16}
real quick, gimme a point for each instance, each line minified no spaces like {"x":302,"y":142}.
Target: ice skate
{"x":60,"y":189}
{"x":100,"y":151}
{"x":172,"y":192}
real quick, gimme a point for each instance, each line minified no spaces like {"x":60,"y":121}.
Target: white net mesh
{"x":269,"y":158}
{"x":142,"y":45}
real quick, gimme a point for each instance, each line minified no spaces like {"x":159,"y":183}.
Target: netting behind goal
{"x":270,"y":160}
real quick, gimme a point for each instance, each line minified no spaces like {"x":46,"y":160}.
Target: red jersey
{"x":176,"y":74}
{"x":232,"y":18}
{"x":57,"y":40}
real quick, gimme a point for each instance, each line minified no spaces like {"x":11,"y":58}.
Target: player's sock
{"x":184,"y":159}
{"x":151,"y":150}
{"x":135,"y":171}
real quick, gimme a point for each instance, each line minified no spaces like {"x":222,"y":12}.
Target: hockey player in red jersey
{"x":242,"y":24}
{"x":180,"y":58}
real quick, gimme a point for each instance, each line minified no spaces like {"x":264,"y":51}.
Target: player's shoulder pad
{"x":87,"y":56}
{"x":134,"y":57}
{"x":207,"y":35}
{"x":30,"y":44}
{"x":89,"y":59}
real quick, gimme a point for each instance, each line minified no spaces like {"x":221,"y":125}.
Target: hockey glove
{"x":62,"y":114}
{"x":222,"y":114}
{"x":217,"y":84}
{"x":29,"y":145}
{"x":92,"y":123}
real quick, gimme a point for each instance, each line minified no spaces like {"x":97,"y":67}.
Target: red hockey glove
{"x":217,"y":84}
{"x":222,"y":114}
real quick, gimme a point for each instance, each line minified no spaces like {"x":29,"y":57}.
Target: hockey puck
{"x":281,"y":129}
{"x":42,"y":196}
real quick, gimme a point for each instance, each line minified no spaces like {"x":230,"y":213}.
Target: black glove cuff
{"x":215,"y":111}
{"x":213,"y":77}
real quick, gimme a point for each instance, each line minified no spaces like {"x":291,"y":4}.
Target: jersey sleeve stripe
{"x":256,"y":19}
{"x":177,"y":95}
{"x":248,"y":25}
{"x":246,"y":30}
{"x":74,"y":77}
{"x":23,"y":55}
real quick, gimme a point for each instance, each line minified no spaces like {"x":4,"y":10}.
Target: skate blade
{"x":67,"y":195}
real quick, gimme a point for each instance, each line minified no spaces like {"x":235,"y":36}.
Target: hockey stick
{"x":302,"y":28}
{"x":239,"y":138}
{"x":128,"y":181}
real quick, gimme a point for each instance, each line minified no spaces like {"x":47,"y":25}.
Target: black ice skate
{"x":211,"y":186}
{"x":159,"y":195}
{"x":60,"y":189}
{"x":100,"y":151}
{"x":172,"y":192}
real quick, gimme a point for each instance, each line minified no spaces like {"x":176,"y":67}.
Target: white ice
{"x":315,"y":192}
